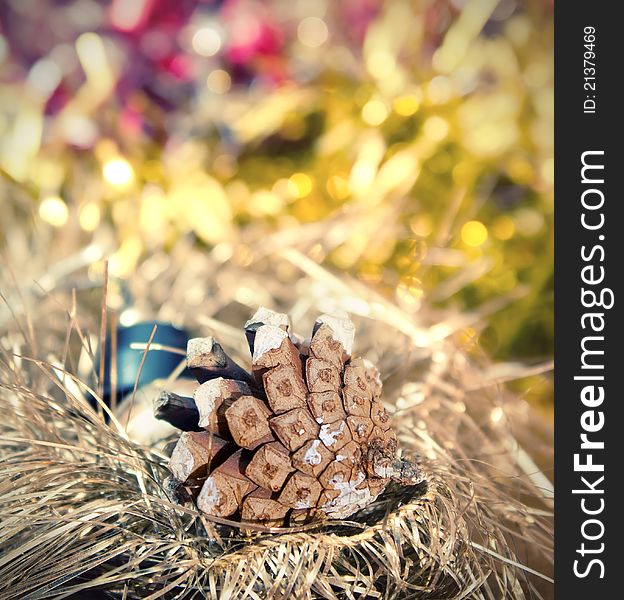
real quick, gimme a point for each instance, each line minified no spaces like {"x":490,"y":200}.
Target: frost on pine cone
{"x":303,"y":436}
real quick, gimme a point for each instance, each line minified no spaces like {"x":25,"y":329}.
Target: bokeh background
{"x":417,"y":135}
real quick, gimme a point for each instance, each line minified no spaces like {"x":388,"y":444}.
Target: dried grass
{"x":83,"y":509}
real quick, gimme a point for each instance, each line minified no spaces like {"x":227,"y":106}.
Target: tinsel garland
{"x":83,"y":508}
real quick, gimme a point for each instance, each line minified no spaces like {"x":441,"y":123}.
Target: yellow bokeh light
{"x":406,"y":105}
{"x":338,"y":187}
{"x":124,"y":260}
{"x":503,"y":227}
{"x":344,"y":256}
{"x":528,"y":221}
{"x":381,"y":63}
{"x":89,"y":216}
{"x":280,"y":188}
{"x":374,"y":112}
{"x":118,"y":172}
{"x":238,"y":193}
{"x":202,"y":202}
{"x":54,"y":211}
{"x":410,"y":292}
{"x":219,"y":81}
{"x":312,"y":32}
{"x":468,"y":338}
{"x":422,"y":225}
{"x":362,"y":176}
{"x":264,"y":202}
{"x":299,"y":185}
{"x":474,"y":233}
{"x":105,"y":149}
{"x":436,"y":128}
{"x":153,"y":215}
{"x":309,"y":209}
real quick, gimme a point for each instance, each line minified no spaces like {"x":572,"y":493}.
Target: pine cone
{"x":304,"y":435}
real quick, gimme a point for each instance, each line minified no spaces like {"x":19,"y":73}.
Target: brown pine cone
{"x":304,"y":435}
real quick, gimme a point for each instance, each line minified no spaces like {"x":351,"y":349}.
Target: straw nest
{"x":84,"y":510}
